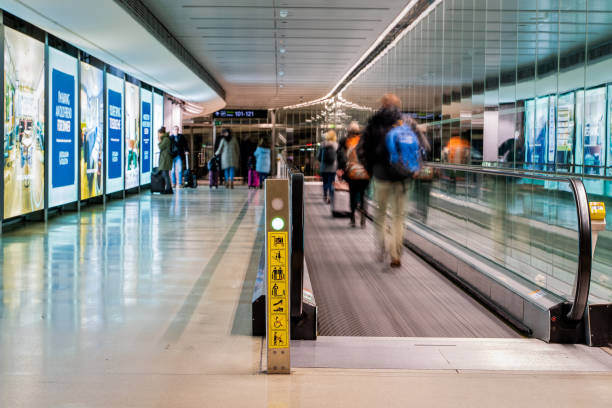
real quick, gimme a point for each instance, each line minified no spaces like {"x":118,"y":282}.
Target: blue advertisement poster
{"x":63,"y":153}
{"x":146,"y":137}
{"x":115,"y":109}
{"x":63,"y":141}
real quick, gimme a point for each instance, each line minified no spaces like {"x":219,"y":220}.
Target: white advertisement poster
{"x":132,"y":136}
{"x":158,"y":122}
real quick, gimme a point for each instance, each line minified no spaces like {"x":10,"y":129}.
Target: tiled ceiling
{"x":272,"y":53}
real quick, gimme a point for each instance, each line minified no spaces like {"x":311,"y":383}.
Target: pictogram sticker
{"x":278,"y":290}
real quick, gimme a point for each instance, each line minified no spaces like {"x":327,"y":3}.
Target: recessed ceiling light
{"x":283,"y":13}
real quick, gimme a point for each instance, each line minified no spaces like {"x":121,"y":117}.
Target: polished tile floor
{"x":146,"y":303}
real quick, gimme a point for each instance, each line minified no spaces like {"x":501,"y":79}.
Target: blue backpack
{"x":404,"y":150}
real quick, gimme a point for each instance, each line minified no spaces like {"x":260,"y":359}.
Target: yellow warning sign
{"x":278,"y":290}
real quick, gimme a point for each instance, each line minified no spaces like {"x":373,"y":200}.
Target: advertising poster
{"x":132,"y":135}
{"x":92,"y":131}
{"x":609,"y":131}
{"x":114,"y":139}
{"x":158,"y":122}
{"x":24,"y":116}
{"x":565,"y":131}
{"x":63,"y":152}
{"x":146,"y":100}
{"x":529,"y":131}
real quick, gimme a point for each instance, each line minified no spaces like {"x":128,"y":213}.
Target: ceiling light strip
{"x":342,"y":84}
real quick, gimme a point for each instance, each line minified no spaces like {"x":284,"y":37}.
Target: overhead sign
{"x":241,"y":114}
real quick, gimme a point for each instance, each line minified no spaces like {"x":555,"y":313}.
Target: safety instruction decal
{"x":278,"y":290}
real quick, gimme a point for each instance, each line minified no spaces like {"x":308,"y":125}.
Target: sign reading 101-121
{"x":63,"y":116}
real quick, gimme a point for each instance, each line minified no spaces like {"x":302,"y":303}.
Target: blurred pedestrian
{"x":390,"y":186}
{"x":179,"y":159}
{"x":327,"y":156}
{"x":230,"y":156}
{"x":354,"y":172}
{"x":165,"y":159}
{"x":262,"y":155}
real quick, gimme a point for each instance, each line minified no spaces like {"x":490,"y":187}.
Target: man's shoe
{"x":395,"y":263}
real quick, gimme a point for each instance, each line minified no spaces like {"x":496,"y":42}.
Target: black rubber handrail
{"x":582,"y":284}
{"x":296,"y":192}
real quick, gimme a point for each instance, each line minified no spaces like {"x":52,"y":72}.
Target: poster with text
{"x":24,"y":124}
{"x":114,"y":136}
{"x":92,"y":131}
{"x":132,"y":135}
{"x":158,"y":122}
{"x":63,"y":151}
{"x":146,"y":100}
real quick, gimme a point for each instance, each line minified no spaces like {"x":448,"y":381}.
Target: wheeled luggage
{"x":213,"y":172}
{"x":253,"y":179}
{"x":189,"y":177}
{"x":157,"y":181}
{"x":213,"y":179}
{"x":341,"y":202}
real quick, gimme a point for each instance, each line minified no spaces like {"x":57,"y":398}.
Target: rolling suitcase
{"x":213,"y":179}
{"x":189,"y":177}
{"x":341,"y":203}
{"x":157,"y":181}
{"x":253,"y":179}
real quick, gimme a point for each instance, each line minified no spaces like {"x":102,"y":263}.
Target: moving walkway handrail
{"x":582,"y":283}
{"x":296,"y":192}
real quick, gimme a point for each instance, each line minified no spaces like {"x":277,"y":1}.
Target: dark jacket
{"x":181,"y":143}
{"x":372,"y":151}
{"x":165,"y":159}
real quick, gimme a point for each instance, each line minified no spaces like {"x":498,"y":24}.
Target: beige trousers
{"x":390,"y":193}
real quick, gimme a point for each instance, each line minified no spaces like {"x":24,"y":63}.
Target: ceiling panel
{"x":266,"y":58}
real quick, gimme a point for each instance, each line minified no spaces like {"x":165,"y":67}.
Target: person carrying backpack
{"x":327,"y":156}
{"x":387,"y":150}
{"x":354,"y":172}
{"x":262,"y":155}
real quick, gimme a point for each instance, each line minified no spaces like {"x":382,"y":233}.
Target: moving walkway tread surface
{"x":359,"y":296}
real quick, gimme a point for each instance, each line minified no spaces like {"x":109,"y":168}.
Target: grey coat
{"x":327,"y":168}
{"x":230,"y":153}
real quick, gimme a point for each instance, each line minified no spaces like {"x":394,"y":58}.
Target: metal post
{"x":277,"y":265}
{"x":79,"y":132}
{"x":2,"y":147}
{"x":273,"y":170}
{"x":47,"y":131}
{"x":105,"y":133}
